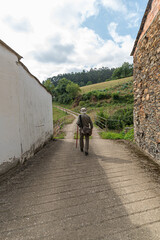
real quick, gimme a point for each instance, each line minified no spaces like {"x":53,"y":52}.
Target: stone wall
{"x":155,"y":7}
{"x":147,"y":90}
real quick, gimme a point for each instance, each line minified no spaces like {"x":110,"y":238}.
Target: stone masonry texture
{"x":147,"y":91}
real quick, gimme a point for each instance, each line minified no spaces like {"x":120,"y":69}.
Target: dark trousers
{"x":82,"y":145}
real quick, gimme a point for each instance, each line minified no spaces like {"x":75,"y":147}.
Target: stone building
{"x":25,"y":111}
{"x":146,"y":58}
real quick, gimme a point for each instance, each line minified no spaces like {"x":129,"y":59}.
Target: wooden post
{"x":77,"y":137}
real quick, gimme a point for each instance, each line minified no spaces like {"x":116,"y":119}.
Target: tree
{"x":117,"y":73}
{"x":49,"y":85}
{"x":73,"y":89}
{"x":62,"y":84}
{"x":126,"y":70}
{"x":82,"y":78}
{"x":66,"y":91}
{"x":89,"y":83}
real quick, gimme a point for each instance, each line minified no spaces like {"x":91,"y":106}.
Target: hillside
{"x":108,"y":104}
{"x":104,"y":85}
{"x":112,"y":100}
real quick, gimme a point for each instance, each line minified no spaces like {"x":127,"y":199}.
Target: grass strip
{"x":122,"y":135}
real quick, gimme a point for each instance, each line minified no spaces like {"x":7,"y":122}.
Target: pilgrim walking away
{"x":85,"y":124}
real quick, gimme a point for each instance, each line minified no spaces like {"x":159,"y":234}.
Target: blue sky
{"x":105,"y":16}
{"x":68,"y":36}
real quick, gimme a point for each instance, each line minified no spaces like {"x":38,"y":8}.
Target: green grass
{"x":104,"y":85}
{"x":110,"y":135}
{"x":69,"y":119}
{"x":122,"y":135}
{"x":129,"y":135}
{"x":60,"y":135}
{"x":61,"y":117}
{"x":108,"y":106}
{"x":58,"y":114}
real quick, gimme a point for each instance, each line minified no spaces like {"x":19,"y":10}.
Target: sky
{"x":63,"y":36}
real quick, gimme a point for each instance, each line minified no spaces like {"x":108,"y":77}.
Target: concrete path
{"x":61,"y":194}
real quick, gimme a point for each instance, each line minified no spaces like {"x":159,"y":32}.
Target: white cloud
{"x":133,"y":19}
{"x":118,"y":38}
{"x":20,"y":25}
{"x":115,"y":5}
{"x":52,"y":40}
{"x":57,"y":53}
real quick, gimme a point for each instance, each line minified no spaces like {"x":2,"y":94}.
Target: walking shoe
{"x":81,"y":149}
{"x":86,"y":153}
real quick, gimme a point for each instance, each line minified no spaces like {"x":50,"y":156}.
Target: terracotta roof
{"x":148,"y":8}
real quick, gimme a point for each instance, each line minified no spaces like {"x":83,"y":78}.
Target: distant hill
{"x":104,"y":85}
{"x":86,"y":77}
{"x":95,"y":75}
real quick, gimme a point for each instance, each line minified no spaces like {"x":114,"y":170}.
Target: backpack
{"x":85,"y":130}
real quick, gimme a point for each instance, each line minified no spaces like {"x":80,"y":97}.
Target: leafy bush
{"x":129,"y":135}
{"x":124,"y":86}
{"x":127,"y":98}
{"x":86,"y":104}
{"x":97,"y":94}
{"x":81,"y":103}
{"x":86,"y":96}
{"x":99,"y":104}
{"x":120,"y":119}
{"x":64,"y":98}
{"x":101,"y":119}
{"x":66,"y":91}
{"x":116,"y":96}
{"x":103,"y":95}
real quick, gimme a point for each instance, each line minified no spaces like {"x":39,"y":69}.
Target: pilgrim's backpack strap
{"x":81,"y":121}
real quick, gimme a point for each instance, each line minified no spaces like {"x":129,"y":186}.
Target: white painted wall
{"x":25,"y":110}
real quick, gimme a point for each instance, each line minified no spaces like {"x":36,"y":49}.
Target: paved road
{"x":61,"y":194}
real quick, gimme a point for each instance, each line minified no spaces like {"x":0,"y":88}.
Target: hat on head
{"x":83,"y":110}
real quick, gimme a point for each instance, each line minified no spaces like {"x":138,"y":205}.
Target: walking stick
{"x":77,"y":137}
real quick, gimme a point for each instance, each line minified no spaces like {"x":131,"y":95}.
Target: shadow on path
{"x":63,"y":195}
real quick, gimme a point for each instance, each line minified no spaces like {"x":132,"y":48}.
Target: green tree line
{"x":86,"y":77}
{"x":66,"y":87}
{"x":95,"y":75}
